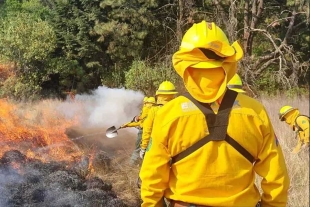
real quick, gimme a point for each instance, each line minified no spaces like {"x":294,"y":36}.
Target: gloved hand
{"x":142,"y":153}
{"x":136,"y":118}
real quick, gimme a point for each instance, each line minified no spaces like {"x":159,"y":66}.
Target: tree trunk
{"x":256,"y":12}
{"x":246,"y":33}
{"x":179,"y":32}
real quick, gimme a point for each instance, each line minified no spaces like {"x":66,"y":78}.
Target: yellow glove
{"x":137,"y":118}
{"x":142,"y":153}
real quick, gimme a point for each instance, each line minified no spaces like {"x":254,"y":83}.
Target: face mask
{"x":205,"y":84}
{"x":164,"y":98}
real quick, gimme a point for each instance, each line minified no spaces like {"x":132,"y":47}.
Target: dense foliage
{"x":59,"y":46}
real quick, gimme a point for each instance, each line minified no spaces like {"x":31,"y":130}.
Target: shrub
{"x":146,"y":77}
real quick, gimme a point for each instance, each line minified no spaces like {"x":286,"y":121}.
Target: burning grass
{"x":39,"y":132}
{"x":68,"y":167}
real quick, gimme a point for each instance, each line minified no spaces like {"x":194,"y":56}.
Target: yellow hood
{"x":290,"y":117}
{"x":213,"y":83}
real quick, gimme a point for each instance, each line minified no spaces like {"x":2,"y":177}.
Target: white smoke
{"x":8,"y":178}
{"x":104,"y":107}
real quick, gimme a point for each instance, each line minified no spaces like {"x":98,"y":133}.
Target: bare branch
{"x":267,"y":34}
{"x":264,"y":66}
{"x":290,"y":28}
{"x":278,"y":20}
{"x":256,"y":12}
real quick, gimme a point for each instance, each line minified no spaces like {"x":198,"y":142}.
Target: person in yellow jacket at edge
{"x":137,"y":122}
{"x":165,"y":93}
{"x":299,"y":123}
{"x":208,"y":144}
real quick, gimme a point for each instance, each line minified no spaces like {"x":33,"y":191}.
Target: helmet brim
{"x":166,"y":93}
{"x":238,"y":90}
{"x":281,"y":116}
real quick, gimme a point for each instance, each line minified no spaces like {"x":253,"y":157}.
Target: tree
{"x":126,"y":28}
{"x":273,"y":25}
{"x":79,"y":58}
{"x":27,"y":41}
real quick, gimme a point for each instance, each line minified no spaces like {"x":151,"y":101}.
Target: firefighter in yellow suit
{"x":299,"y":123}
{"x":222,"y":171}
{"x":137,"y":122}
{"x":165,"y":93}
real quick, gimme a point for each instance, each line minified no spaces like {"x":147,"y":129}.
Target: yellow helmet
{"x":151,"y":100}
{"x":236,"y":84}
{"x":207,"y":35}
{"x":145,"y":99}
{"x":284,"y":111}
{"x":166,"y":87}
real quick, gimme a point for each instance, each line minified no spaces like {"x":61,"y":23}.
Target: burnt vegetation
{"x":33,"y":183}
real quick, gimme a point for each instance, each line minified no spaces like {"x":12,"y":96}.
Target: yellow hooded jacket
{"x":216,"y":174}
{"x":162,"y":99}
{"x":303,"y":133}
{"x":147,"y":126}
{"x":294,"y":118}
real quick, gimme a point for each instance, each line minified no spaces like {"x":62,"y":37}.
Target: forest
{"x":49,"y":48}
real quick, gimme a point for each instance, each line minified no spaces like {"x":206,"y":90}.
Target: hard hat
{"x":207,"y":35}
{"x":145,"y":99}
{"x":284,"y":111}
{"x":205,"y":45}
{"x":166,"y":87}
{"x":235,"y":84}
{"x":151,"y":100}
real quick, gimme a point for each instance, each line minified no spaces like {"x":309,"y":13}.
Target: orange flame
{"x":38,"y":132}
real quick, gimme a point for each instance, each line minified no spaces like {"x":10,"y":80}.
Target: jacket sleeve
{"x":133,"y":124}
{"x":147,"y":129}
{"x":155,"y":167}
{"x":272,"y":168}
{"x":144,"y":112}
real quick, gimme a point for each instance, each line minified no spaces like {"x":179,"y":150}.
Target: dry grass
{"x":298,"y":165}
{"x":124,"y":177}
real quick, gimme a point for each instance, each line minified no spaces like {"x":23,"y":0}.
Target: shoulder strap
{"x":239,"y":148}
{"x":216,"y":123}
